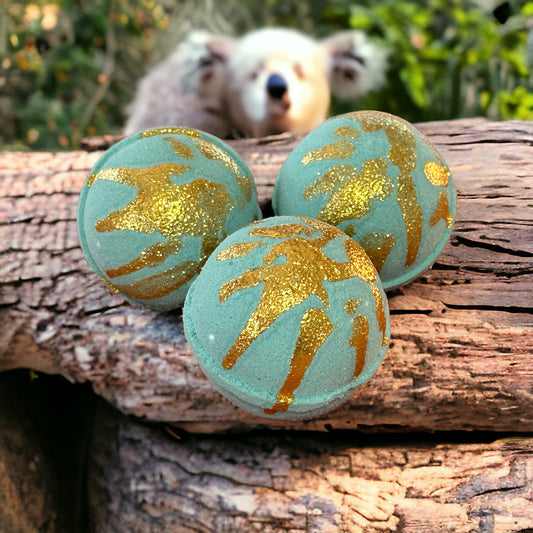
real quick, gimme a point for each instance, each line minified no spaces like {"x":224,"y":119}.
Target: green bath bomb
{"x":156,"y":205}
{"x":377,"y":178}
{"x":288,"y":318}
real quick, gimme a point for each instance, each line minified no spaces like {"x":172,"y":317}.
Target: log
{"x":144,"y":480}
{"x":462,"y":334}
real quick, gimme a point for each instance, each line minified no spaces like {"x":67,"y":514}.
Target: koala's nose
{"x":276,"y":86}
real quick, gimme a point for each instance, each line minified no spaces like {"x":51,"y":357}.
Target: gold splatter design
{"x":291,"y":283}
{"x":161,"y":284}
{"x":288,"y":284}
{"x":341,"y":149}
{"x":351,"y":305}
{"x":349,"y":230}
{"x":401,"y":154}
{"x":347,"y":131}
{"x":215,"y":153}
{"x":442,"y":211}
{"x":167,"y":131}
{"x":437,"y":174}
{"x":356,"y":254}
{"x":359,"y":338}
{"x":151,"y":256}
{"x":180,"y":148}
{"x":380,"y":313}
{"x":239,"y":249}
{"x":378,"y":246}
{"x":351,"y":193}
{"x":359,"y":341}
{"x":161,"y":206}
{"x":197,"y":209}
{"x":245,"y":186}
{"x":412,"y":215}
{"x":209,"y":243}
{"x":315,"y":328}
{"x":147,"y":212}
{"x":281,"y":231}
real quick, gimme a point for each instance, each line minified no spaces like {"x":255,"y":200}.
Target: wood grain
{"x":143,"y":480}
{"x":462,"y":334}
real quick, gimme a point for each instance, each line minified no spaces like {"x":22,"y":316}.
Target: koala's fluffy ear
{"x":356,"y":66}
{"x":203,"y":56}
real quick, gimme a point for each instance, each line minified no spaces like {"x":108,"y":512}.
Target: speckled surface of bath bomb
{"x":288,"y":317}
{"x":377,"y":178}
{"x":156,"y":205}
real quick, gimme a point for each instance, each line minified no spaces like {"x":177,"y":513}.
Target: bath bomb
{"x":377,"y":178}
{"x":288,"y":317}
{"x":155,"y":206}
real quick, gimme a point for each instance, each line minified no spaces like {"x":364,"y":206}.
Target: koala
{"x":269,"y":81}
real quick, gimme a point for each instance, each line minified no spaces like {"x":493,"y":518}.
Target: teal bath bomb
{"x":156,"y":205}
{"x":377,"y":178}
{"x":288,"y":317}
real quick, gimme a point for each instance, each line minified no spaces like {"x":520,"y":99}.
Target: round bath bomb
{"x":377,"y":178}
{"x":288,"y":317}
{"x":156,"y":205}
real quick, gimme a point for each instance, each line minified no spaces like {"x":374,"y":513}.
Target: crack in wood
{"x":461,"y":239}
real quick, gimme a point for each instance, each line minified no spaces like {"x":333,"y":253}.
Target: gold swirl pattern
{"x":338,"y":150}
{"x":180,"y":148}
{"x":215,"y":153}
{"x":402,"y":154}
{"x":170,"y":130}
{"x":352,"y":192}
{"x":348,"y":132}
{"x":315,"y":328}
{"x":196,"y":209}
{"x":239,"y":250}
{"x":288,"y":284}
{"x":436,"y":174}
{"x":359,"y":338}
{"x":351,"y":305}
{"x":442,"y":211}
{"x":161,"y":284}
{"x":378,"y":246}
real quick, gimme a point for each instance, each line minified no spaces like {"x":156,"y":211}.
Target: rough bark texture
{"x":460,"y":358}
{"x":143,"y":480}
{"x":462,"y":334}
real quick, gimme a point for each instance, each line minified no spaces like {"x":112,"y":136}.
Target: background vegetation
{"x":69,"y":67}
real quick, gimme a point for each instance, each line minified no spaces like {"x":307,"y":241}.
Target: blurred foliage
{"x":451,"y":58}
{"x":69,"y":67}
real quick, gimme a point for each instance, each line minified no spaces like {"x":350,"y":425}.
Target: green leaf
{"x":414,"y":80}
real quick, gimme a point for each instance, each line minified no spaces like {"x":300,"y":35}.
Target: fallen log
{"x":142,"y":479}
{"x":462,"y":334}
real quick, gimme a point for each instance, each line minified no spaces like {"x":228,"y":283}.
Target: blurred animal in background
{"x":269,"y":81}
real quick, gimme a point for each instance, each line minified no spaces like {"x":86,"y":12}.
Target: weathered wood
{"x":462,"y":334}
{"x":143,"y":480}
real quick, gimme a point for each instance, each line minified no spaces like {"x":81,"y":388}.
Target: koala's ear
{"x":201,"y":59}
{"x":356,"y":65}
{"x":221,"y":47}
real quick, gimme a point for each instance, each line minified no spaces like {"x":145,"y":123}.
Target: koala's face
{"x":277,"y":81}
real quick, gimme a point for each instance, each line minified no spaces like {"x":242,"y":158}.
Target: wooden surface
{"x":462,"y":334}
{"x":460,"y":359}
{"x":143,"y":480}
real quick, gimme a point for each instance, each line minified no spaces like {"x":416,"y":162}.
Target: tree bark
{"x":144,"y":480}
{"x":462,"y":334}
